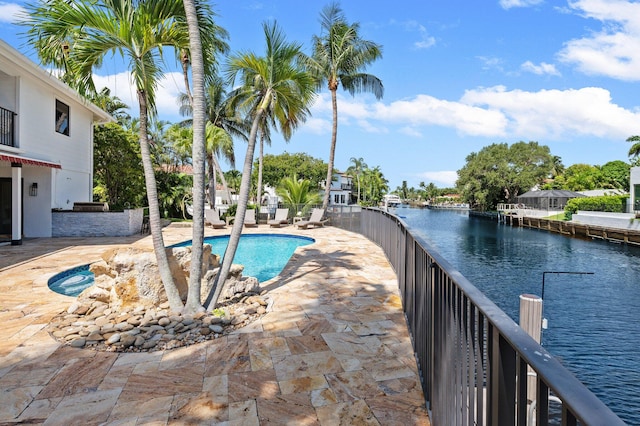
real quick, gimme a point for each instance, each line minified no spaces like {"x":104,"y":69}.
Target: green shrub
{"x":605,"y":203}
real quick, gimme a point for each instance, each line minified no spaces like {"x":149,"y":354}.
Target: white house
{"x":341,"y":189}
{"x":46,"y":147}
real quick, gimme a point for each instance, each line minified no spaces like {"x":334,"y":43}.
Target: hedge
{"x":605,"y":203}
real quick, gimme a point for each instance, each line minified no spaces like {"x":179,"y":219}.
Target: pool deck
{"x":333,"y":350}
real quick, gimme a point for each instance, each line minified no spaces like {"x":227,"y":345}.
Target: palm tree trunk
{"x":332,"y":152}
{"x":236,"y":231}
{"x":199,"y":154}
{"x":154,"y":211}
{"x":212,"y":181}
{"x":260,"y":156}
{"x":225,"y":187}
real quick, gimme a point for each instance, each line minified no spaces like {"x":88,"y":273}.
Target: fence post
{"x":531,"y":323}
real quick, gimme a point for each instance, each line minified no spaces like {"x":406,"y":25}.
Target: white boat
{"x":390,"y":202}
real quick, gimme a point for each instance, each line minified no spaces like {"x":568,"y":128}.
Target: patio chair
{"x":250,"y":218}
{"x":281,"y":218}
{"x":212,"y":217}
{"x":315,"y":220}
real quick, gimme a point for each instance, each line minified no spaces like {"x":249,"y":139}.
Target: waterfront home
{"x":341,"y":192}
{"x":46,"y":147}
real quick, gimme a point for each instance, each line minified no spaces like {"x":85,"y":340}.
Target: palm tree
{"x":375,"y":184}
{"x":221,"y":114}
{"x":136,"y":29}
{"x":339,"y":57}
{"x":634,"y":151}
{"x":296,"y":194}
{"x":358,"y":165}
{"x":275,"y":85}
{"x":199,"y":119}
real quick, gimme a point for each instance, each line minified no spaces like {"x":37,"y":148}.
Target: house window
{"x":62,"y":118}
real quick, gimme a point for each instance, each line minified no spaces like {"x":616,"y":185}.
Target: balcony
{"x":7,"y":127}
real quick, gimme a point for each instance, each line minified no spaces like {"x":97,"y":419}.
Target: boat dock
{"x":573,"y":229}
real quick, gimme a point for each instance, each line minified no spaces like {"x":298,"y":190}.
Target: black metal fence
{"x":7,"y":128}
{"x":473,"y":358}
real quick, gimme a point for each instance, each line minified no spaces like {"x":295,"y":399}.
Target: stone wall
{"x":96,"y":224}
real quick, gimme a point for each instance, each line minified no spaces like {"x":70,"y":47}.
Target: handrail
{"x":7,"y":127}
{"x":473,"y":357}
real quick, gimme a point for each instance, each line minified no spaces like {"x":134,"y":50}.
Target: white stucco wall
{"x":37,"y":209}
{"x":634,"y":180}
{"x":31,"y":93}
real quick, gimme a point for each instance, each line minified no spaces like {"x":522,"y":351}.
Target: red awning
{"x":30,"y":161}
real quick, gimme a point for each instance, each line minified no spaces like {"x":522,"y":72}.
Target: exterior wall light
{"x":33,"y":189}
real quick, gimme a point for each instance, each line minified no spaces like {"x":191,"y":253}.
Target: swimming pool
{"x":263,"y":256}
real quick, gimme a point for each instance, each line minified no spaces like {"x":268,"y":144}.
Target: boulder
{"x":130,"y":277}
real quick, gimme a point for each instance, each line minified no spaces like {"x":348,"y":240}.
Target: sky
{"x":458,"y":75}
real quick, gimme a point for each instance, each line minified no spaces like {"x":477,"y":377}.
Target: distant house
{"x":553,"y":199}
{"x":46,"y":147}
{"x":341,"y":190}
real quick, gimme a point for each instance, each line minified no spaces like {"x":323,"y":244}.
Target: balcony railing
{"x":472,"y":357}
{"x":7,"y":127}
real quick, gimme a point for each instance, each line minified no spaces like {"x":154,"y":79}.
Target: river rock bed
{"x":95,"y":325}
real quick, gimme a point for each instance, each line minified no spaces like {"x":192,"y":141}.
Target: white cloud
{"x":11,"y":12}
{"x":410,"y":131}
{"x":427,"y":110}
{"x":483,"y":112}
{"x":557,"y":113}
{"x":489,"y":63}
{"x":445,"y":178}
{"x":508,"y":4}
{"x":541,"y":69}
{"x":167,"y":93}
{"x":615,"y":50}
{"x":317,"y":126}
{"x":426,"y":41}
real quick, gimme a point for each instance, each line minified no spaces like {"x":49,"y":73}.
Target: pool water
{"x":263,"y":256}
{"x":72,"y":281}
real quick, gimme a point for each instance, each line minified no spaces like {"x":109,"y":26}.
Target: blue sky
{"x":458,"y":76}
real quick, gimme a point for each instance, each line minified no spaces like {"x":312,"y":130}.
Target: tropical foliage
{"x":118,"y":179}
{"x":298,"y":194}
{"x":605,"y":203}
{"x":277,"y":167}
{"x":584,"y":177}
{"x":499,"y":173}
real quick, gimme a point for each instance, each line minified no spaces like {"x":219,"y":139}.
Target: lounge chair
{"x":250,"y":218}
{"x":212,"y":217}
{"x":281,"y":218}
{"x":315,"y":220}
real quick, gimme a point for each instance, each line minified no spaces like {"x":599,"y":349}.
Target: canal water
{"x":593,"y":320}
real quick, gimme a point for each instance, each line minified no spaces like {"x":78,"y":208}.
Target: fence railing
{"x":472,"y":357}
{"x":7,"y":128}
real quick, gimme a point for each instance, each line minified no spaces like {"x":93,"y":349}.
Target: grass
{"x":559,"y":216}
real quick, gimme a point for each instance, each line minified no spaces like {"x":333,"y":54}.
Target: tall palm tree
{"x":193,"y":303}
{"x":339,"y":57}
{"x":357,"y":167}
{"x":136,"y":29}
{"x":222,"y":116}
{"x":275,"y":85}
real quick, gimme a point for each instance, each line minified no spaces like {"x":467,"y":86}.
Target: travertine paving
{"x":333,"y":350}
